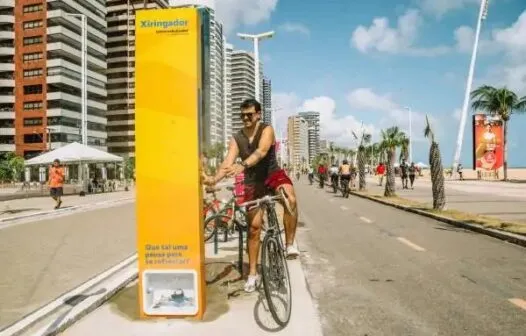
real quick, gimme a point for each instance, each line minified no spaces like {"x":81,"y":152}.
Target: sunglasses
{"x":249,"y":115}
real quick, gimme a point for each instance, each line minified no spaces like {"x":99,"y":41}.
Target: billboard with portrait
{"x":488,"y":144}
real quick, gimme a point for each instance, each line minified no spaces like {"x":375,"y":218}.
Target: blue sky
{"x":357,"y":61}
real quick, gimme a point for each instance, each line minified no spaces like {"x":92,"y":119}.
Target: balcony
{"x":10,"y":115}
{"x":59,"y":16}
{"x":7,"y":99}
{"x":7,"y":67}
{"x":58,"y":49}
{"x":7,"y":49}
{"x":7,"y":4}
{"x":4,"y":82}
{"x":7,"y":147}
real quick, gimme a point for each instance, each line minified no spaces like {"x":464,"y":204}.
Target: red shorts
{"x":272,"y":183}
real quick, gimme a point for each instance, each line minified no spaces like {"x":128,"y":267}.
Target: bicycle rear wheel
{"x":212,"y":224}
{"x":276,"y":280}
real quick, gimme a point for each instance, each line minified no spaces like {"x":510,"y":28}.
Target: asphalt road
{"x":42,"y":259}
{"x":375,"y":270}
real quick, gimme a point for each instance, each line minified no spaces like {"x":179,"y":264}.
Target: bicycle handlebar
{"x":259,"y":201}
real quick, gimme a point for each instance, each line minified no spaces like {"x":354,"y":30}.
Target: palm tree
{"x":364,"y":140}
{"x":392,"y":138}
{"x":404,"y":149}
{"x":501,"y":102}
{"x":437,"y":171}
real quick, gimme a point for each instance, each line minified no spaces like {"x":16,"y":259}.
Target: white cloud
{"x":513,"y":39}
{"x":394,"y":114}
{"x":291,"y":27}
{"x":334,"y":128}
{"x":233,"y":13}
{"x":338,"y":128}
{"x":441,"y":7}
{"x":381,"y":37}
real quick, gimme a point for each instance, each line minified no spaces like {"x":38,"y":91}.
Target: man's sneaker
{"x":292,"y":252}
{"x":252,"y":283}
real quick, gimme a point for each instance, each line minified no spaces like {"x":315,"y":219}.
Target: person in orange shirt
{"x":56,"y":182}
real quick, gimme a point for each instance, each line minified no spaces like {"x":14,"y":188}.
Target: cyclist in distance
{"x":333,"y":173}
{"x":345,"y":174}
{"x":255,"y":145}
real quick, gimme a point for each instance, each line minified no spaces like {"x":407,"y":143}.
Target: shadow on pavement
{"x":263,"y":316}
{"x":16,"y":211}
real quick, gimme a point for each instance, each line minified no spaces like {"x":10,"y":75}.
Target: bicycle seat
{"x":230,"y":188}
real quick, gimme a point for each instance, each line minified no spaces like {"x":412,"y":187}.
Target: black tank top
{"x":262,"y":170}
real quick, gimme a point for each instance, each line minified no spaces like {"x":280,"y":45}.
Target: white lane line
{"x":411,"y":244}
{"x":365,"y":219}
{"x":344,"y":208}
{"x":518,"y":302}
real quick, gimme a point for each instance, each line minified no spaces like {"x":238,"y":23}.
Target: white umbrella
{"x":421,"y":165}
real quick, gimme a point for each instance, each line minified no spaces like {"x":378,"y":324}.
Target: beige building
{"x":298,"y":141}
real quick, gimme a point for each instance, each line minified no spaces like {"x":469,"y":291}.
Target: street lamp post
{"x":256,"y":38}
{"x":483,"y":12}
{"x":410,"y":133}
{"x":83,"y":76}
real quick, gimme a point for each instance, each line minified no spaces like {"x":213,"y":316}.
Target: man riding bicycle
{"x":333,"y":173}
{"x":256,"y":145}
{"x":345,"y":173}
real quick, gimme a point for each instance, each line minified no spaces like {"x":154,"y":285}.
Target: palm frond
{"x":428,"y":132}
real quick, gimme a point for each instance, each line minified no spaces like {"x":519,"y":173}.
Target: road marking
{"x":344,"y":208}
{"x":518,"y":302}
{"x":365,"y":219}
{"x":411,"y":244}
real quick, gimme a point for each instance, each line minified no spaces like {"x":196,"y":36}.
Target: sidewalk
{"x":230,"y":311}
{"x":28,"y":206}
{"x":502,"y":201}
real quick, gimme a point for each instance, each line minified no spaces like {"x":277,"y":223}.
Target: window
{"x":32,"y":121}
{"x":33,"y":105}
{"x":32,"y":56}
{"x":33,"y":8}
{"x":32,"y":40}
{"x":32,"y":89}
{"x":34,"y":138}
{"x":32,"y":24}
{"x":33,"y":73}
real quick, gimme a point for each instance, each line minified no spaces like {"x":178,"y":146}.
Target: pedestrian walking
{"x":412,"y":174}
{"x":380,"y":172}
{"x":56,"y":182}
{"x":403,"y":173}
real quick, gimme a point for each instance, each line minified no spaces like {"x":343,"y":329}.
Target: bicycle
{"x":274,"y":268}
{"x":227,"y":217}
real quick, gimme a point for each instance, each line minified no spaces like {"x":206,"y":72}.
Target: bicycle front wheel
{"x":212,"y":223}
{"x":276,"y":280}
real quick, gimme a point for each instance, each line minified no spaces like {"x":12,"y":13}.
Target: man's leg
{"x":290,"y":219}
{"x":255,"y":220}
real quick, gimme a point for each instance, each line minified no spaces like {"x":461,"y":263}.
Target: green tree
{"x":364,"y":140}
{"x":437,"y":172}
{"x":392,"y":138}
{"x":129,"y":168}
{"x":501,"y":102}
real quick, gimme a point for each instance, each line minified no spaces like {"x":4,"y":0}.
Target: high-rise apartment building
{"x":121,"y":72}
{"x":227,"y":94}
{"x":213,"y":121}
{"x":40,"y":74}
{"x":313,"y":119}
{"x":267,"y":101}
{"x":298,"y":141}
{"x":243,"y":87}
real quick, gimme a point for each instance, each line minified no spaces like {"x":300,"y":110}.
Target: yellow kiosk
{"x":169,"y":201}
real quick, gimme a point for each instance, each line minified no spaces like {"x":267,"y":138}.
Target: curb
{"x":502,"y":235}
{"x":84,"y":311}
{"x":55,"y":316}
{"x":60,"y":211}
{"x":506,"y":236}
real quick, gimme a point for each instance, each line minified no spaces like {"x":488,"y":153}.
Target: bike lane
{"x":230,"y":311}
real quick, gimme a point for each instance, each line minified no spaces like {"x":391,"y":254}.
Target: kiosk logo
{"x":165,"y":24}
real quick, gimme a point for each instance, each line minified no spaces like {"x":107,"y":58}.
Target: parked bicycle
{"x":227,"y":217}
